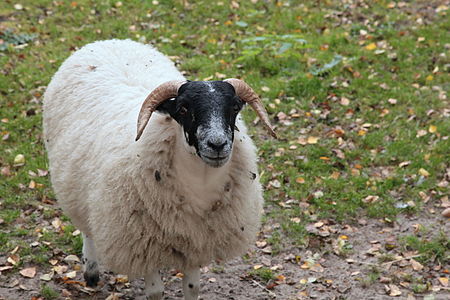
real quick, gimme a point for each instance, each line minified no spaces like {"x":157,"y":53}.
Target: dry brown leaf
{"x":28,"y":272}
{"x":446,"y":212}
{"x":345,"y":101}
{"x":443,"y":281}
{"x":393,"y":290}
{"x":417,"y":266}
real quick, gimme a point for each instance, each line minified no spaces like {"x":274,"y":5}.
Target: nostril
{"x":217,"y":145}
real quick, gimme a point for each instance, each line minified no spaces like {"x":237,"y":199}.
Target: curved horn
{"x":247,"y":94}
{"x":162,"y":92}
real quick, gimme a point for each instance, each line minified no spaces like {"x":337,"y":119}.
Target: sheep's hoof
{"x":91,"y":278}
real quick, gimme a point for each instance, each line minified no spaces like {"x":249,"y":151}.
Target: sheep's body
{"x":148,"y":204}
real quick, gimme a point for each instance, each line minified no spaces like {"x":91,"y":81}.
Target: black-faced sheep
{"x":185,"y":194}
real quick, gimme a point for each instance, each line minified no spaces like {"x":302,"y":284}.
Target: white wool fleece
{"x":148,"y":204}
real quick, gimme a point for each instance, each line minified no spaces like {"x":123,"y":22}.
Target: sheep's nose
{"x":217,"y":144}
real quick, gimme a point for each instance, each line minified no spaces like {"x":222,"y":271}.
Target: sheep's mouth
{"x":216,"y":161}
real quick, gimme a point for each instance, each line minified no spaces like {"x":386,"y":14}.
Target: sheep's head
{"x":207,"y":111}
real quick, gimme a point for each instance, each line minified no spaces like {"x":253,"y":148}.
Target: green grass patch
{"x":432,"y":249}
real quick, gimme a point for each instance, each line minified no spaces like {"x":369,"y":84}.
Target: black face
{"x":207,"y":111}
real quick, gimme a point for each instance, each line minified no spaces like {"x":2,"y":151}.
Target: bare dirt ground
{"x":320,"y":271}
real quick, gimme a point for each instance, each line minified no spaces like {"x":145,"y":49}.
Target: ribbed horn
{"x":248,"y":95}
{"x":161,"y":93}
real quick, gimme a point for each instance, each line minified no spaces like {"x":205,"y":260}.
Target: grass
{"x":48,"y":293}
{"x":436,"y":248}
{"x":263,"y":273}
{"x":304,"y":60}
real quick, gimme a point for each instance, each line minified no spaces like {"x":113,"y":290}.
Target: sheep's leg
{"x":91,"y":273}
{"x":191,"y":284}
{"x":154,"y":287}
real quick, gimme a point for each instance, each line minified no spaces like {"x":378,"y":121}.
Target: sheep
{"x":181,"y":194}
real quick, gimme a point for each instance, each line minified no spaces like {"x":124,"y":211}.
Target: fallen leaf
{"x":28,"y":272}
{"x":335,"y":175}
{"x":392,"y":101}
{"x":6,"y":171}
{"x":404,"y":164}
{"x":46,"y":277}
{"x":371,"y":46}
{"x":19,"y":160}
{"x":5,"y":268}
{"x":53,"y":261}
{"x":446,"y":212}
{"x":421,"y":132}
{"x":113,"y":296}
{"x":300,"y":180}
{"x":417,"y":266}
{"x":56,"y":223}
{"x":261,"y":244}
{"x":393,"y":290}
{"x":345,"y":101}
{"x":443,"y":281}
{"x":13,"y":259}
{"x":362,"y":132}
{"x":313,"y":139}
{"x":424,"y":172}
{"x":71,"y":275}
{"x":371,"y":199}
{"x":122,"y":278}
{"x":32,"y":184}
{"x":432,"y":129}
{"x":71,"y":258}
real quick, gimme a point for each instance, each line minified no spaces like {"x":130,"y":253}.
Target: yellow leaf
{"x":122,"y":278}
{"x":424,"y":172}
{"x":443,"y":281}
{"x":343,"y":237}
{"x":432,"y":129}
{"x":335,"y":175}
{"x":313,"y":139}
{"x":296,"y":220}
{"x":324,"y":158}
{"x":32,"y":184}
{"x":281,"y":278}
{"x":429,"y":78}
{"x":300,"y":180}
{"x":371,"y":46}
{"x":355,"y":172}
{"x":362,"y":132}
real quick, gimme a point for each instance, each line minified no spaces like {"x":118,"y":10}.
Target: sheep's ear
{"x":169,"y":107}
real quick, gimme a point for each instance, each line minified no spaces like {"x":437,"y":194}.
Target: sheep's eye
{"x":183,"y":110}
{"x":236,"y":108}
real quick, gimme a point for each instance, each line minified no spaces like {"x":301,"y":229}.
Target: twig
{"x":400,"y":259}
{"x":264,"y":288}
